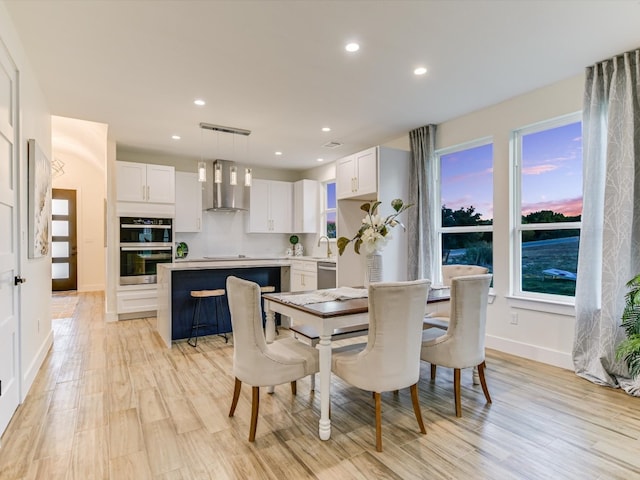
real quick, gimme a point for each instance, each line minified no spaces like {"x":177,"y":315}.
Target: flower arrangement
{"x":375,"y":230}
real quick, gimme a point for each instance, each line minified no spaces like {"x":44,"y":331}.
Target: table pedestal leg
{"x":270,"y":335}
{"x":324,"y":346}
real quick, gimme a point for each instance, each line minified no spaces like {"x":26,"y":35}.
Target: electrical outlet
{"x":514,"y":319}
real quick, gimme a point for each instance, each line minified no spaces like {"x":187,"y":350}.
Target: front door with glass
{"x":64,"y":247}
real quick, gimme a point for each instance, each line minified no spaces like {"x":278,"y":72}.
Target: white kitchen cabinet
{"x":357,"y":175}
{"x":303,"y":275}
{"x":305,"y":206}
{"x":141,"y":182}
{"x":137,"y":299}
{"x":188,"y":203}
{"x":270,"y":206}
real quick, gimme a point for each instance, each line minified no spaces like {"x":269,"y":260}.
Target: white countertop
{"x":238,"y":261}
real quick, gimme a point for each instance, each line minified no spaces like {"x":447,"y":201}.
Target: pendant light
{"x":202,"y":166}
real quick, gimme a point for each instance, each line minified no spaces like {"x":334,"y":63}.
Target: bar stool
{"x":196,"y":323}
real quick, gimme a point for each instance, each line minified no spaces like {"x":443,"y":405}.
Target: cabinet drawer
{"x":304,"y":266}
{"x":137,"y":301}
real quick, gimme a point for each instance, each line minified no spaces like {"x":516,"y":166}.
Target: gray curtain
{"x":610,"y":239}
{"x":420,"y":227}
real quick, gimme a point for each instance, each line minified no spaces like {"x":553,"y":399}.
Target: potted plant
{"x":629,"y":348}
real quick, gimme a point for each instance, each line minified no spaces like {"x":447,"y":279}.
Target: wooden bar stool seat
{"x":198,"y":322}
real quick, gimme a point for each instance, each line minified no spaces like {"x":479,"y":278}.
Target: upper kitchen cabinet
{"x":140,"y":182}
{"x":305,"y":206}
{"x":188,"y":203}
{"x":270,"y":206}
{"x":357,"y":175}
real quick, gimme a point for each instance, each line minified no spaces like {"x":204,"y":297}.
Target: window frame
{"x":325,"y":210}
{"x":437,"y":214}
{"x":516,"y":225}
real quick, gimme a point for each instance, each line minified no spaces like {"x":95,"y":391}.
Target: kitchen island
{"x":176,"y":281}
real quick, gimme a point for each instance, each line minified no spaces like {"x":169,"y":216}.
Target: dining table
{"x":332,"y":311}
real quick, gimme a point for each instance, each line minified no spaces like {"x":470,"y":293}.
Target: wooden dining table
{"x":325,"y":317}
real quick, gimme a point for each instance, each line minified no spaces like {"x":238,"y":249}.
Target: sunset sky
{"x":551,"y":174}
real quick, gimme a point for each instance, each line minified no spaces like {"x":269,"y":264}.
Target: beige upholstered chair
{"x":440,"y":319}
{"x":390,"y":359}
{"x":462,"y":345}
{"x":255,"y":362}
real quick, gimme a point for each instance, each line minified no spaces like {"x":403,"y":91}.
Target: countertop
{"x":239,"y":261}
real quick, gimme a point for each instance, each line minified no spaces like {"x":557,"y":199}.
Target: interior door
{"x":9,"y":279}
{"x":64,"y":245}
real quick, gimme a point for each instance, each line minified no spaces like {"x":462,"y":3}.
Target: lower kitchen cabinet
{"x":137,"y":299}
{"x":303,"y":276}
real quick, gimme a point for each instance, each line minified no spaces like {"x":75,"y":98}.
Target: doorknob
{"x":19,"y":280}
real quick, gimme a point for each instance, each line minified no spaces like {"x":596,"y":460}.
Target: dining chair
{"x":390,"y":359}
{"x":255,"y":362}
{"x":462,"y":344}
{"x":440,"y":318}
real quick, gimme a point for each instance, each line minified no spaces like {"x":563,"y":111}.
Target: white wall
{"x":544,"y":332}
{"x":82,"y":146}
{"x":35,"y":295}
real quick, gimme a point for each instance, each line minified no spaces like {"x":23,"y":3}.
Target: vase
{"x":373,"y":268}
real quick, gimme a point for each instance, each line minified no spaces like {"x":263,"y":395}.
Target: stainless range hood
{"x":220,"y":194}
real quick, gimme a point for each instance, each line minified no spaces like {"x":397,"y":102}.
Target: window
{"x":547,"y":207}
{"x":466,"y":199}
{"x":329,"y":209}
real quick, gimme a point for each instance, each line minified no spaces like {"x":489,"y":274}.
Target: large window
{"x":466,"y":204}
{"x":329,"y":209}
{"x":548,"y":207}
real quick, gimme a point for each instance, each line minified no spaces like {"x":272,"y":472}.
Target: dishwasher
{"x":326,"y":275}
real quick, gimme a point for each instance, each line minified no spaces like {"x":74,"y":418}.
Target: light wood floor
{"x":111,"y":402}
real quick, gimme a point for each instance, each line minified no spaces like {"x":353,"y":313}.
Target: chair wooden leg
{"x":433,"y":371}
{"x":236,"y":396}
{"x":483,"y":381}
{"x":255,"y":405}
{"x":378,"y":399}
{"x":294,"y":388}
{"x":416,"y":407}
{"x":456,"y":391}
{"x":313,"y":381}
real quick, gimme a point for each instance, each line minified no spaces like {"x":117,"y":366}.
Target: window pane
{"x":331,"y":195}
{"x":59,"y":207}
{"x":59,"y":249}
{"x":551,"y":175}
{"x":59,"y":271}
{"x":60,"y":228}
{"x":466,"y":186}
{"x":550,"y":261}
{"x":331,"y":224}
{"x":474,"y":248}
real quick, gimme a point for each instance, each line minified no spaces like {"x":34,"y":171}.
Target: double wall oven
{"x":144,"y":243}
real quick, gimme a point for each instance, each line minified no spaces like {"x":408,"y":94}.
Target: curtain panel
{"x":420,"y":225}
{"x":609,"y":253}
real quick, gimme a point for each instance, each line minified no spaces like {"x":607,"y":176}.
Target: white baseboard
{"x":31,"y":372}
{"x":531,"y":352}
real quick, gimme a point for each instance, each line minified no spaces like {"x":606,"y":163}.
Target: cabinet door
{"x":345,"y":178}
{"x":188,"y":203}
{"x":161,"y":186}
{"x":366,"y":165}
{"x":259,"y":220}
{"x":131,"y":181}
{"x":281,"y":207}
{"x":305,"y":206}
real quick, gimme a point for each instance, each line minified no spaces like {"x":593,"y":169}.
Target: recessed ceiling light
{"x":176,"y":137}
{"x":278,"y":153}
{"x":352,"y":47}
{"x":199,"y":102}
{"x":420,"y":71}
{"x":326,"y":129}
{"x":321,"y":160}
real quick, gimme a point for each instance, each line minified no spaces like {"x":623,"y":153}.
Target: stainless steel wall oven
{"x":144,"y":243}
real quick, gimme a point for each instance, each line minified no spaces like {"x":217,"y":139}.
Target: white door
{"x":9,"y":314}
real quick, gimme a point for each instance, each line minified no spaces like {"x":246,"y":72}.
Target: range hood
{"x":220,"y":194}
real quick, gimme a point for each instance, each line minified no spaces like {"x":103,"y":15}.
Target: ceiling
{"x":279,"y":68}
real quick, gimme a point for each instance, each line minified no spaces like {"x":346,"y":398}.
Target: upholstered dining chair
{"x":255,"y":362}
{"x":440,"y":319}
{"x":390,"y":359}
{"x":462,"y":344}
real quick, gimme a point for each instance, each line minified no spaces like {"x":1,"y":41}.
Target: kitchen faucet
{"x":328,"y":245}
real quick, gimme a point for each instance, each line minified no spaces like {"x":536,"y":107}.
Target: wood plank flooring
{"x":111,"y":402}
